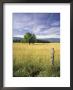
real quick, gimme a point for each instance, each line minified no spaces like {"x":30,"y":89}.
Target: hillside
{"x":54,"y":40}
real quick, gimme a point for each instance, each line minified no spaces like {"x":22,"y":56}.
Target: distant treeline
{"x":37,"y":41}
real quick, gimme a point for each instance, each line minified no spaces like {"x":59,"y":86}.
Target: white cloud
{"x":36,"y":24}
{"x":47,"y":36}
{"x":55,"y":23}
{"x":47,"y":31}
{"x":21,"y":36}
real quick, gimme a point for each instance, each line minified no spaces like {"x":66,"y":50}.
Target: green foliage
{"x":35,"y":69}
{"x":26,"y":69}
{"x":29,"y":38}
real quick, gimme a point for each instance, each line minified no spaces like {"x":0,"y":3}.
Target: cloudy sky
{"x":43,"y":25}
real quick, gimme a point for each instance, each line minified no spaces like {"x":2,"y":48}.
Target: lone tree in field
{"x":29,"y":38}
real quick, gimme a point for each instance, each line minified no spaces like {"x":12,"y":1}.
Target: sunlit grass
{"x":34,"y":60}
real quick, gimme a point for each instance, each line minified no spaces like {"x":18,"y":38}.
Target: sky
{"x":43,"y":25}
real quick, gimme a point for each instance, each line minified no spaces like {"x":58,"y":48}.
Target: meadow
{"x":34,"y":60}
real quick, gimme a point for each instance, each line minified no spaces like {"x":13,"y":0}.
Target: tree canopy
{"x":29,"y":38}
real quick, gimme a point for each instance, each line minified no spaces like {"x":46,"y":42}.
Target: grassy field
{"x":34,"y":60}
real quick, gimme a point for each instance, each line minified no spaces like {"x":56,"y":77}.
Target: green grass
{"x":34,"y":60}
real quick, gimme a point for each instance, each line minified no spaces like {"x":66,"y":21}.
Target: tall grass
{"x":34,"y":60}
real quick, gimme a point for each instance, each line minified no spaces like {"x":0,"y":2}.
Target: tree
{"x":29,"y":38}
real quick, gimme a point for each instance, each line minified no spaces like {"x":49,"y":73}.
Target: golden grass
{"x":39,"y":53}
